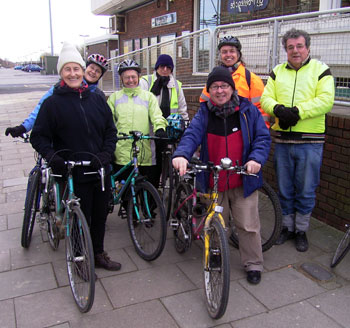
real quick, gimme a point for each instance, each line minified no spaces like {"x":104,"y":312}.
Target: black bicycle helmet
{"x":128,"y":64}
{"x":230,"y":41}
{"x":176,"y":126}
{"x":98,"y":60}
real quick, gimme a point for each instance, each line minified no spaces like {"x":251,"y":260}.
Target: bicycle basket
{"x":176,"y":126}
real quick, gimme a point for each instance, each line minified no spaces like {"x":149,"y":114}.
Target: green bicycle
{"x":145,"y":212}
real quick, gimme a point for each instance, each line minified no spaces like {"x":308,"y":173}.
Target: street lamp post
{"x":84,"y":36}
{"x":51,"y":28}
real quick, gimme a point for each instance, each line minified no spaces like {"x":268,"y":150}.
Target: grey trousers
{"x":245,"y":215}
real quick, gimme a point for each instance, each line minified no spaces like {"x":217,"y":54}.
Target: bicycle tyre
{"x":53,"y":233}
{"x":217,"y":275}
{"x":342,"y":249}
{"x":31,"y":207}
{"x":167,"y":184}
{"x":269,"y":207}
{"x":148,"y":232}
{"x":80,"y":260}
{"x":183,"y":214}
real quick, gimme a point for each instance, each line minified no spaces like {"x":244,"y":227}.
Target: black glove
{"x":287,"y":116}
{"x":160,"y":133}
{"x":16,"y":131}
{"x":58,"y":166}
{"x":103,"y":158}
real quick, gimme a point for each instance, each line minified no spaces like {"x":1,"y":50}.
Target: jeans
{"x":298,"y":175}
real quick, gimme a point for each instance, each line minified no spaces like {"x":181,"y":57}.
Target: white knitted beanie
{"x":69,"y":54}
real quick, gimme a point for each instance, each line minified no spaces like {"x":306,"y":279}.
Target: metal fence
{"x":195,"y":54}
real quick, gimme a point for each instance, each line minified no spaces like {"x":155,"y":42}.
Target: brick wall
{"x":135,"y":30}
{"x":333,"y":193}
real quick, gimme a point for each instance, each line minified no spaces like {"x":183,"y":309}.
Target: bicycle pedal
{"x":174,"y":224}
{"x":122,"y":213}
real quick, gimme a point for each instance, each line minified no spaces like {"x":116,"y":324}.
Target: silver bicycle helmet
{"x":128,"y":64}
{"x":98,"y":60}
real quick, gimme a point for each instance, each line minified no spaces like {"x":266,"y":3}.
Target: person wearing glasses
{"x":228,"y":125}
{"x":248,"y":84}
{"x":96,"y":66}
{"x":299,"y":93}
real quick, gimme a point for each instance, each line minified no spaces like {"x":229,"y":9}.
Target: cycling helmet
{"x":128,"y":64}
{"x":176,"y":126}
{"x":230,"y":41}
{"x":98,"y":60}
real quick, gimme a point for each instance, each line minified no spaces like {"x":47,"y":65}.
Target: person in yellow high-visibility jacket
{"x":247,"y":84}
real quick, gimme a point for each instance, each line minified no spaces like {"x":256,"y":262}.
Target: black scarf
{"x":162,"y":83}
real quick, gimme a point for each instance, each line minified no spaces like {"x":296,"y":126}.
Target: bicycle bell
{"x":226,"y":162}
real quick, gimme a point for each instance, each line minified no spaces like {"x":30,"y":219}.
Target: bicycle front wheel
{"x":52,"y":223}
{"x":80,"y":260}
{"x":31,"y":207}
{"x":146,"y":221}
{"x":217,"y":270}
{"x":270,"y":214}
{"x":342,"y":249}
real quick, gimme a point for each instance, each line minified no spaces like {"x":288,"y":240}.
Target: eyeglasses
{"x":216,"y":87}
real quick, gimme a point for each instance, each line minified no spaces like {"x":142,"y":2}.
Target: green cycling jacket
{"x":310,"y":89}
{"x":135,"y":109}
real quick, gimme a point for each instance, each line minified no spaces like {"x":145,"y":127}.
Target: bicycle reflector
{"x":176,"y":126}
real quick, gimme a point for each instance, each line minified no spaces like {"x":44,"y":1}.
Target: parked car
{"x":32,"y":68}
{"x":18,"y":67}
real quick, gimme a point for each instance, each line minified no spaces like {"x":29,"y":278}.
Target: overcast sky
{"x":25,"y":26}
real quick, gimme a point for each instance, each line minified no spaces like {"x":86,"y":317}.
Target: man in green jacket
{"x":299,"y":93}
{"x":135,"y":109}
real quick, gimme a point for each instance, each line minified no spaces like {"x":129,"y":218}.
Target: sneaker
{"x":301,"y":243}
{"x":103,"y":261}
{"x":284,"y":236}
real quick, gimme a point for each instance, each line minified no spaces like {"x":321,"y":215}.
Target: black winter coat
{"x":81,"y":122}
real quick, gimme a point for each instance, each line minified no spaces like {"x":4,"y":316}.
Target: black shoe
{"x":301,"y":243}
{"x":284,"y":236}
{"x":103,"y":261}
{"x":253,"y":277}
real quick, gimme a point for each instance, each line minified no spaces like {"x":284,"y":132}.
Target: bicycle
{"x":61,"y":217}
{"x":193,"y":221}
{"x":342,"y":248}
{"x":144,"y":210}
{"x":270,"y":215}
{"x":170,"y":177}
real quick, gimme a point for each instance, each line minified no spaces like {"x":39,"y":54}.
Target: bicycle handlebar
{"x":137,"y":135}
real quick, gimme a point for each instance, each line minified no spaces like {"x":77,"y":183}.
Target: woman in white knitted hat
{"x":75,"y":118}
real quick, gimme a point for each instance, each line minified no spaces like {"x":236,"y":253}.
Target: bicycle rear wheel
{"x":80,"y":260}
{"x":146,"y":221}
{"x":342,"y":249}
{"x":217,"y":272}
{"x":31,"y":207}
{"x":182,"y":225}
{"x":270,"y":214}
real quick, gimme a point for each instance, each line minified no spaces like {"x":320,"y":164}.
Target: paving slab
{"x":5,"y":264}
{"x":325,"y":237}
{"x":11,"y":208}
{"x":3,"y":222}
{"x":299,"y":315}
{"x":15,"y":220}
{"x":26,"y":281}
{"x":7,"y":314}
{"x":335,"y":304}
{"x":189,"y":308}
{"x":59,"y":305}
{"x":145,"y":285}
{"x":280,"y":256}
{"x":283,"y":287}
{"x":149,"y":314}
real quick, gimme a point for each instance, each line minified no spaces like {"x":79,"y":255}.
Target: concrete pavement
{"x":34,"y":290}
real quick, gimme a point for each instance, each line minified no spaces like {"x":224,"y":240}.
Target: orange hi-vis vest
{"x":253,"y":91}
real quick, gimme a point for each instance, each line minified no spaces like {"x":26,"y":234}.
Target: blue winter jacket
{"x":28,"y":123}
{"x":256,"y":142}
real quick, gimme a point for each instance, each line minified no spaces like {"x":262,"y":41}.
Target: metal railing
{"x":195,"y":54}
